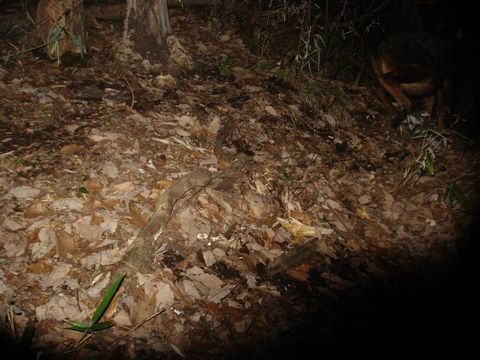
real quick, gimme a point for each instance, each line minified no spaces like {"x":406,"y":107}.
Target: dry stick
{"x":11,"y":321}
{"x":23,"y":52}
{"x":185,"y":193}
{"x":41,"y":46}
{"x":82,"y":340}
{"x":131,"y":91}
{"x":400,"y":186}
{"x":427,"y":140}
{"x":137,"y":326}
{"x":87,"y":336}
{"x":29,"y":50}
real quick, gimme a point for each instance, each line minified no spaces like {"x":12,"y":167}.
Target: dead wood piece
{"x":187,"y":187}
{"x":140,"y":256}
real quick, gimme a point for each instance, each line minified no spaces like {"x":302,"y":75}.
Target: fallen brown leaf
{"x":300,"y":273}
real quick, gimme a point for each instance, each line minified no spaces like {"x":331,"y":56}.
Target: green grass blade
{"x":101,"y":325}
{"x":107,"y":298}
{"x":88,"y":328}
{"x":430,"y":165}
{"x":78,"y":326}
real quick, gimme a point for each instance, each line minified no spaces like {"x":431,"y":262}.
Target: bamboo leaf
{"x":78,"y":326}
{"x":101,"y":325}
{"x":430,"y":164}
{"x":107,"y":298}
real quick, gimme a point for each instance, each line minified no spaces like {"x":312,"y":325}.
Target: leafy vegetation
{"x":94,"y":324}
{"x":226,"y":64}
{"x":454,"y":194}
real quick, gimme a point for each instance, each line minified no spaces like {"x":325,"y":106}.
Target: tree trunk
{"x":148,"y":33}
{"x":147,"y":26}
{"x":117,"y":11}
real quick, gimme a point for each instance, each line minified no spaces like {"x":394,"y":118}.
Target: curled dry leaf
{"x":97,"y":138}
{"x":163,"y":184}
{"x":270,"y":110}
{"x":362,"y":213}
{"x":300,"y":273}
{"x":224,"y":38}
{"x":165,"y":81}
{"x":60,"y":306}
{"x":94,"y":185}
{"x":297,"y":229}
{"x":72,"y":149}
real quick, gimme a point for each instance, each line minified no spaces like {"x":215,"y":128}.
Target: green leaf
{"x":78,"y":326}
{"x":87,"y":328}
{"x":101,"y":325}
{"x":430,"y":164}
{"x":94,"y":325}
{"x":107,"y":298}
{"x":454,"y":193}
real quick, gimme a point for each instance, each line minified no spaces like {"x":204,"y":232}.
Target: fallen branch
{"x":140,"y":255}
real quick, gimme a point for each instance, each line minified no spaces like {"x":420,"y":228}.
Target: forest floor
{"x":278,"y":229}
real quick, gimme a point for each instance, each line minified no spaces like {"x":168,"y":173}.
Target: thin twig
{"x":131,"y":91}
{"x":82,"y":340}
{"x":138,"y":325}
